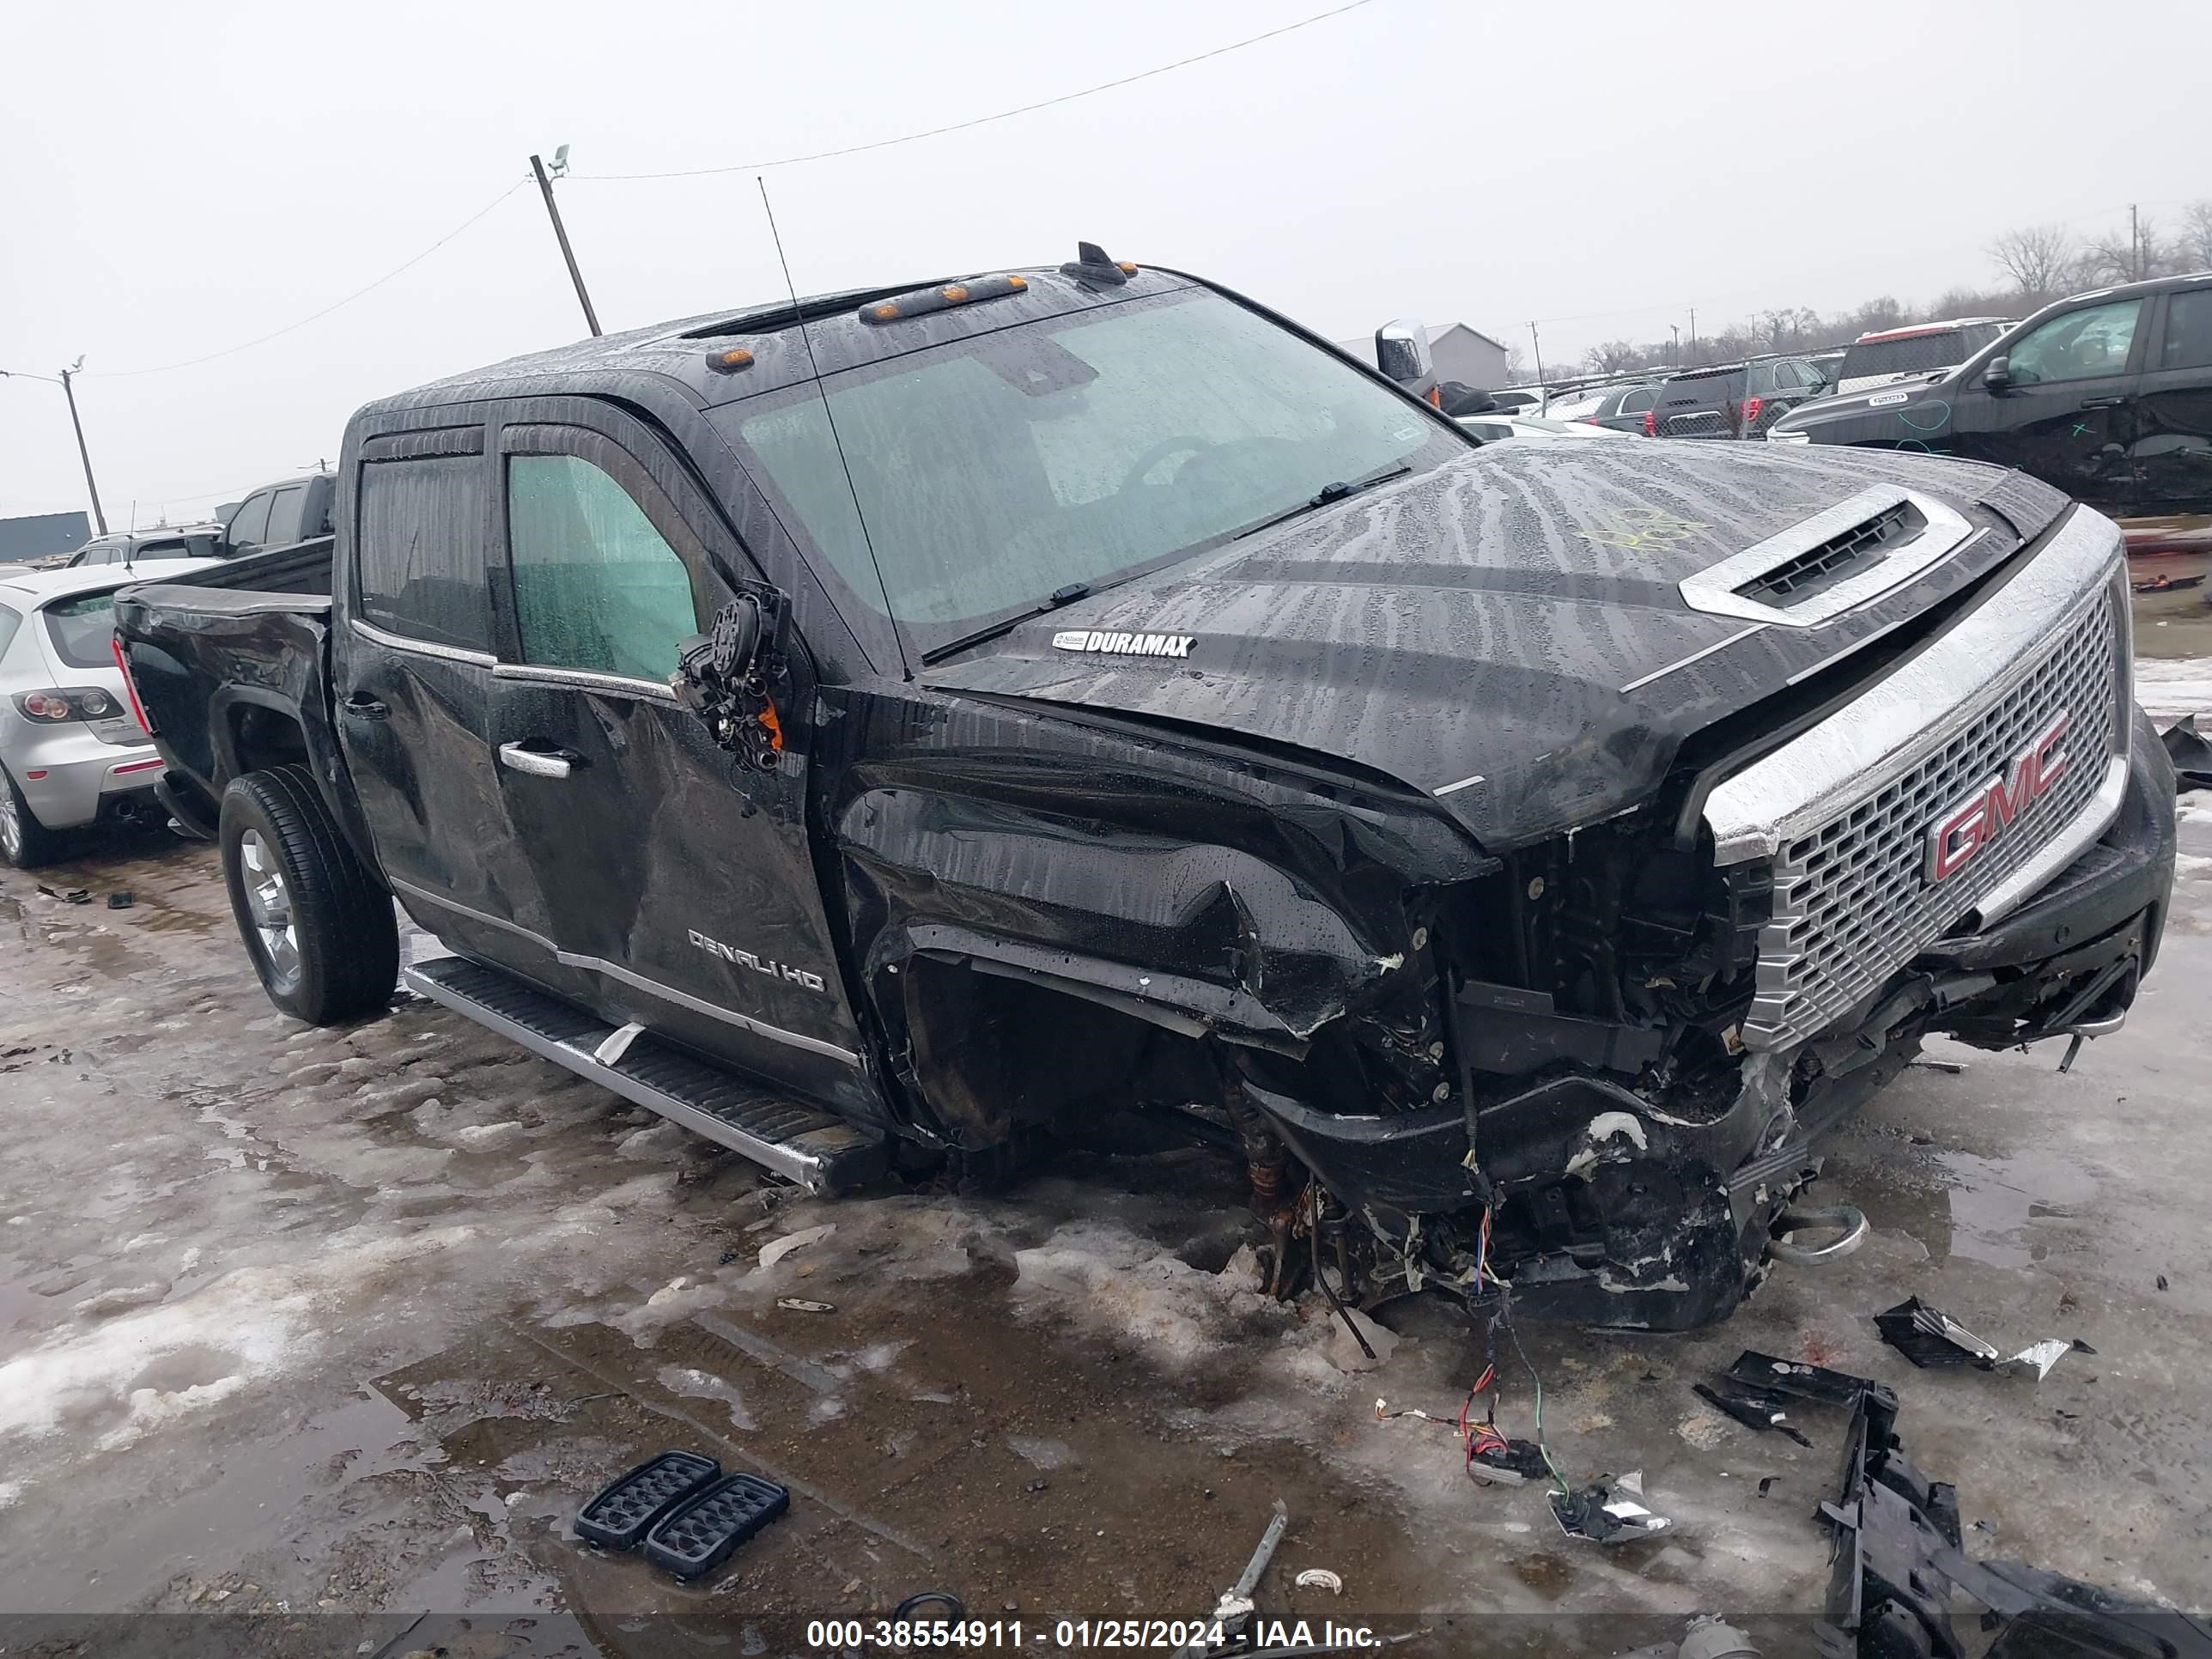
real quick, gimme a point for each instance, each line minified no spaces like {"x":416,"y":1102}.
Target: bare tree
{"x":1612,"y":357}
{"x":1517,"y":365}
{"x":2038,"y":257}
{"x":2193,"y":249}
{"x":2122,"y":257}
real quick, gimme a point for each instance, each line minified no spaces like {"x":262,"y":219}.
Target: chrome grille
{"x":1853,"y":902}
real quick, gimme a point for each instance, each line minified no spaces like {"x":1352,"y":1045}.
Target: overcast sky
{"x":179,"y":180}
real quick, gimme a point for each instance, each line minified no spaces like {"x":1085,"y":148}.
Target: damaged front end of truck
{"x":1592,"y":1063}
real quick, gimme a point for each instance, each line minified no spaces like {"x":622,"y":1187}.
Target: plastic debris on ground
{"x":1929,"y":1337}
{"x":627,"y":1507}
{"x":1607,"y":1512}
{"x":776,"y":1249}
{"x":695,"y":1537}
{"x":1320,"y":1578}
{"x":2191,"y":751}
{"x":800,"y":1304}
{"x":1755,"y":1408}
{"x":1898,"y":1559}
{"x":1802,"y":1380}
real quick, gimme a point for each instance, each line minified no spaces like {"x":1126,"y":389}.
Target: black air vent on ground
{"x":1835,"y":559}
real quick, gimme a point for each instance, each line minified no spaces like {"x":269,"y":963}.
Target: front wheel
{"x":318,"y":925}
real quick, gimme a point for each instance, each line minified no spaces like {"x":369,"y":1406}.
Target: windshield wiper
{"x":1060,"y":596}
{"x":1327,"y":495}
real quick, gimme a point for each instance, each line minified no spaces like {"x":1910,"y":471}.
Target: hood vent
{"x":1833,"y":562}
{"x":1798,"y":580}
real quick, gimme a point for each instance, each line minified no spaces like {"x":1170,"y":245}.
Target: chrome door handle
{"x":536,"y":761}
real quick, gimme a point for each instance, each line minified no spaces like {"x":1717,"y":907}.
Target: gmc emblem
{"x":1955,"y":838}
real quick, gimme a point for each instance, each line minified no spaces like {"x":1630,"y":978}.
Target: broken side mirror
{"x":200,"y":547}
{"x":731,"y":676}
{"x":1402,"y":352}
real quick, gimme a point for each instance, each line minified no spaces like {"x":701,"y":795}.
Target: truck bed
{"x":230,"y":664}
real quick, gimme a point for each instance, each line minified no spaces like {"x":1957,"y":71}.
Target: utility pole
{"x":76,"y":425}
{"x":2134,"y":244}
{"x":1675,"y":352}
{"x":561,"y":231}
{"x":1539,"y":346}
{"x":1693,"y":331}
{"x":82,"y":453}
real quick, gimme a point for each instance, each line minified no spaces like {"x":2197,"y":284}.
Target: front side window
{"x":250,"y":527}
{"x":994,"y":471}
{"x":419,"y":556}
{"x":596,"y":587}
{"x":83,"y":630}
{"x":2079,"y":346}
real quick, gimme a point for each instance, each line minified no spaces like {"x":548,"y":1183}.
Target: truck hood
{"x":1503,"y":633}
{"x":1915,"y":408}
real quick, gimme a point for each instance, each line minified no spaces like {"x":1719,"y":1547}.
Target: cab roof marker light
{"x":923,"y":301}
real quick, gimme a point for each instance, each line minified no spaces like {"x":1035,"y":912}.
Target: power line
{"x":984,"y":121}
{"x":248,"y":345}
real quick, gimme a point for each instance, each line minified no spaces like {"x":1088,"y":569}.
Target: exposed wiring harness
{"x":1493,"y":1304}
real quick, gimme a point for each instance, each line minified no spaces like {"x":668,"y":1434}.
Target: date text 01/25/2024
{"x":881,"y":1634}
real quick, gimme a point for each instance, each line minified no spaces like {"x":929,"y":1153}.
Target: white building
{"x":1461,"y":354}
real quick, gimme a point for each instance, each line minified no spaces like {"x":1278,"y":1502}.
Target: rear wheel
{"x":24,"y":842}
{"x":318,"y":925}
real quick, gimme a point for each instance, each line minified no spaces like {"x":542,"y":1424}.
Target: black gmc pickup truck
{"x":906,"y":725}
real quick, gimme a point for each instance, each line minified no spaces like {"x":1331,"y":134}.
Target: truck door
{"x":680,"y":878}
{"x":2173,"y":424}
{"x":412,"y":682}
{"x":2068,"y":415}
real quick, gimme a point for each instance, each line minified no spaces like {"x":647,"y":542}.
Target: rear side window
{"x":83,"y":630}
{"x":596,"y":587}
{"x":10,"y":622}
{"x":284,"y":515}
{"x":2188,"y":330}
{"x":1643,"y":397}
{"x":419,"y":559}
{"x":250,"y":527}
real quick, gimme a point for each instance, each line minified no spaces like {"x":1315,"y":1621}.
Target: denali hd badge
{"x":1975,"y":822}
{"x":1126,"y":645}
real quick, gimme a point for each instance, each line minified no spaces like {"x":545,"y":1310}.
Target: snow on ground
{"x":2170,"y":688}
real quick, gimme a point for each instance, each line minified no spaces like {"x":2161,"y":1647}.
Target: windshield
{"x":81,"y":628}
{"x":996,"y":472}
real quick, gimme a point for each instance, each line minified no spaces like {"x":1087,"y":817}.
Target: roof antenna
{"x":829,"y":414}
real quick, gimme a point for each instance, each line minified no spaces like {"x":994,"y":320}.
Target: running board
{"x":822,"y":1153}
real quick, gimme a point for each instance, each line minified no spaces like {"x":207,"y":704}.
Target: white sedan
{"x":1491,"y":427}
{"x":72,"y":752}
